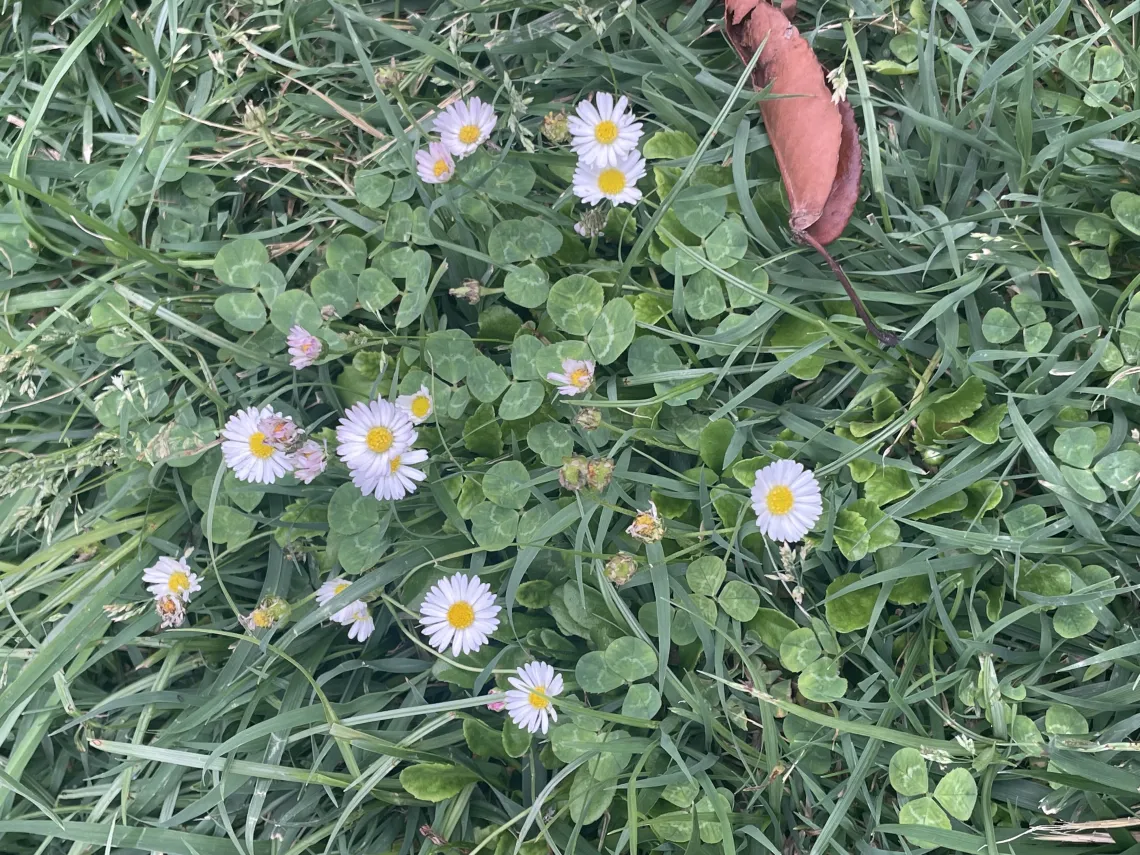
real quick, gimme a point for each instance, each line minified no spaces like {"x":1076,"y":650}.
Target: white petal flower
{"x":308,"y":461}
{"x":359,"y":621}
{"x":402,"y":477}
{"x":528,"y":703}
{"x":617,"y":182}
{"x":604,"y":134}
{"x":330,"y":589}
{"x":304,"y":347}
{"x":787,"y":501}
{"x":576,"y":376}
{"x":465,"y":125}
{"x":279,"y":430}
{"x":171,"y":577}
{"x":459,"y":611}
{"x":417,"y":407}
{"x":434,"y":164}
{"x":247,"y":449}
{"x":369,"y":436}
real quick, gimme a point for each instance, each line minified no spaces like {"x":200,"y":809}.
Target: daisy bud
{"x":389,"y":75}
{"x":497,"y":705}
{"x":328,"y":313}
{"x":308,"y":461}
{"x":470,"y":290}
{"x":588,"y":418}
{"x":304,"y":347}
{"x":600,"y":472}
{"x":647,"y":526}
{"x":556,"y":127}
{"x":621,"y":567}
{"x":574,"y":472}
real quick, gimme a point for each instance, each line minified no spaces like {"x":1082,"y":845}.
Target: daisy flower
{"x":647,"y":526}
{"x":465,"y":125}
{"x":417,"y":407}
{"x":576,"y":376}
{"x":308,"y":461}
{"x":786,"y":500}
{"x":617,"y":182}
{"x":603,"y":134}
{"x":359,"y":621}
{"x":434,"y":164}
{"x":279,"y":430}
{"x":304,"y":347}
{"x":460,"y":612}
{"x":330,"y":589}
{"x":528,"y":703}
{"x":369,"y":436}
{"x":171,"y":577}
{"x":402,"y":477}
{"x":247,"y":449}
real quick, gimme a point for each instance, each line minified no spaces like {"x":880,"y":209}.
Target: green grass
{"x":964,"y":619}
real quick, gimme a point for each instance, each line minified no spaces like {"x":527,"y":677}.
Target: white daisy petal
{"x":417,"y":407}
{"x":787,"y":501}
{"x":434,"y":164}
{"x":616,"y":181}
{"x":457,"y":612}
{"x":605,"y":134}
{"x":464,"y":126}
{"x":370,"y":436}
{"x":171,"y":577}
{"x":528,"y":702}
{"x":247,"y":451}
{"x":359,"y":621}
{"x":575,"y":378}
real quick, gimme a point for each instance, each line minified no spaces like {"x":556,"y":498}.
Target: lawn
{"x":314,"y":311}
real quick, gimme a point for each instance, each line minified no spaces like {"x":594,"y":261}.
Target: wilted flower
{"x":309,"y":461}
{"x":556,"y":127}
{"x":621,"y":567}
{"x":647,"y":526}
{"x":304,"y":347}
{"x":497,"y":705}
{"x":574,"y":472}
{"x":575,"y":377}
{"x":599,"y":473}
{"x":588,"y":418}
{"x":279,"y":430}
{"x":593,"y":222}
{"x":268,"y":614}
{"x":470,"y":290}
{"x":171,"y":611}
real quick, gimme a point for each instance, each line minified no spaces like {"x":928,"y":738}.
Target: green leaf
{"x":483,"y":741}
{"x":820,"y":681}
{"x":716,"y":437}
{"x":1126,"y":210}
{"x":590,"y":794}
{"x":700,"y":208}
{"x":449,"y":354}
{"x":551,"y":441}
{"x":522,"y":240}
{"x":334,"y":288}
{"x":630,"y":658}
{"x":1120,"y":470}
{"x":347,"y":253}
{"x":957,"y":793}
{"x":1027,"y":737}
{"x":1064,"y":720}
{"x":669,"y":145}
{"x":507,"y":484}
{"x":999,"y":326}
{"x":727,"y":244}
{"x":493,"y":526}
{"x":908,"y":772}
{"x":959,"y":405}
{"x":521,"y":400}
{"x":705,"y":575}
{"x":641,"y":701}
{"x":1027,"y":307}
{"x":434,"y":782}
{"x":239,"y":263}
{"x":373,"y":188}
{"x":1108,"y":63}
{"x":1083,"y":483}
{"x":739,"y":600}
{"x":1047,"y":580}
{"x":924,"y":811}
{"x":850,"y":612}
{"x":527,"y":286}
{"x":242,"y":310}
{"x":1076,"y":446}
{"x":862,"y":528}
{"x":887,"y":484}
{"x":350,"y":512}
{"x":594,"y":674}
{"x":575,"y":302}
{"x":295,"y":307}
{"x":799,"y":649}
{"x":1074,"y":620}
{"x":364,"y":549}
{"x":612,"y":332}
{"x":771,"y":627}
{"x":229,"y":526}
{"x":486,"y":380}
{"x":1025,"y":519}
{"x":482,"y":434}
{"x":985,"y":426}
{"x":375,"y":290}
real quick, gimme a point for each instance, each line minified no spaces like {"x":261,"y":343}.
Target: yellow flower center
{"x":440,"y":168}
{"x":261,"y":619}
{"x":611,"y":181}
{"x":580,"y":377}
{"x":469,"y":134}
{"x":361,"y":616}
{"x":178,"y":583}
{"x":538,"y":699}
{"x":606,"y":132}
{"x":259,"y":448}
{"x":168,"y":605}
{"x":421,"y":406}
{"x":780,"y":500}
{"x":339,"y":588}
{"x":306,"y":347}
{"x":394,"y":464}
{"x":379,"y":439}
{"x":461,"y":615}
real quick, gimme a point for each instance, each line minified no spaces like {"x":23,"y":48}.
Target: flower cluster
{"x":171,"y":581}
{"x":604,"y":135}
{"x":262,"y":445}
{"x":462,"y":127}
{"x":375,"y":442}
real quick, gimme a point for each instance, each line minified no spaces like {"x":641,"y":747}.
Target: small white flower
{"x":576,"y":376}
{"x":247,"y":449}
{"x":434,"y":164}
{"x":787,"y":501}
{"x":308,"y":461}
{"x":417,"y":407}
{"x":330,"y":589}
{"x":359,"y":621}
{"x":604,"y":134}
{"x":304,"y":347}
{"x":617,"y":182}
{"x":459,"y":611}
{"x":402,"y":477}
{"x":171,"y":577}
{"x":279,"y":430}
{"x":528,"y":703}
{"x":465,"y":125}
{"x":369,"y":436}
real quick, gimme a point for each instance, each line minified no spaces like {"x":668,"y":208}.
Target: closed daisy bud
{"x":787,"y":501}
{"x":600,"y":472}
{"x":588,"y":418}
{"x":556,"y":127}
{"x":572,"y":476}
{"x":469,"y":290}
{"x":621,"y":567}
{"x":304,"y":347}
{"x":647,"y":526}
